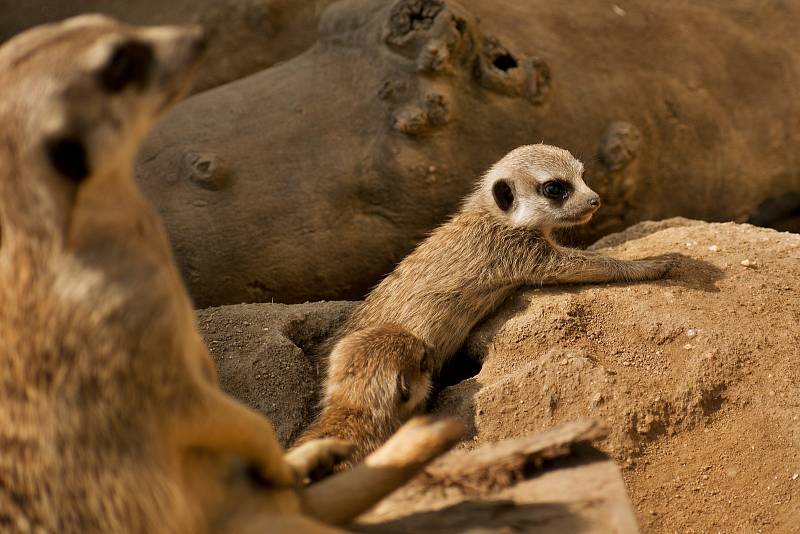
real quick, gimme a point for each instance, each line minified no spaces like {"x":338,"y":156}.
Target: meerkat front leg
{"x":584,"y":266}
{"x":221,"y":424}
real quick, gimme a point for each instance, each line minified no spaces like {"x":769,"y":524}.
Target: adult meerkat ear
{"x":503,"y":193}
{"x":67,"y":155}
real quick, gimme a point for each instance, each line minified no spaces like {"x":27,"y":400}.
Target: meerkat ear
{"x":403,"y":386}
{"x":68,"y":157}
{"x":503,"y":194}
{"x":425,"y":363}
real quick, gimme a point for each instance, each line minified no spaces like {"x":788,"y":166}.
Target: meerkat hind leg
{"x":582,"y":266}
{"x":344,"y":496}
{"x":316,"y":458}
{"x":222,"y":424}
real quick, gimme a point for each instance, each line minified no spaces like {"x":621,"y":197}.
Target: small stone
{"x":713,"y":248}
{"x":618,"y":10}
{"x":749,"y":264}
{"x":691,"y":332}
{"x":688,"y":346}
{"x":795,"y":476}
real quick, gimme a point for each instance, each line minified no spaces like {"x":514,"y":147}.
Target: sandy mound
{"x":697,"y":376}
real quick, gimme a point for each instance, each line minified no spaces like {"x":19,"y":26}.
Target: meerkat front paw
{"x":657,"y":267}
{"x":314,"y":460}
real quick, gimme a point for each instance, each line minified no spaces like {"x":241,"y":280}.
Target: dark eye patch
{"x":129,"y":64}
{"x":68,"y":157}
{"x":556,"y":190}
{"x":503,"y":195}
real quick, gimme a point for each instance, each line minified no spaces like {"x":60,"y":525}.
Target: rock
{"x":245,"y":35}
{"x":266,"y":356}
{"x":556,"y":484}
{"x":338,"y":161}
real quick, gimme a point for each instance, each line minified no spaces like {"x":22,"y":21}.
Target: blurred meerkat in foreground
{"x":111,"y":418}
{"x":378,"y":378}
{"x":499,"y":241}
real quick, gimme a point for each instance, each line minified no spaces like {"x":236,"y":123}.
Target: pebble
{"x":750,"y":264}
{"x":794,"y":476}
{"x":691,"y":332}
{"x":618,"y":10}
{"x":713,"y":248}
{"x":688,"y":346}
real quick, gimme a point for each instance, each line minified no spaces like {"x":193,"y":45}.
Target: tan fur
{"x":111,"y":418}
{"x":379,"y":377}
{"x":468,"y":266}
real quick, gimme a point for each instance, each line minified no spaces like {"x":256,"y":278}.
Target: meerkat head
{"x":385,"y":366}
{"x":79,"y":96}
{"x":539,"y":186}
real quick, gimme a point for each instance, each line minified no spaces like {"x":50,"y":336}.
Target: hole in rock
{"x":780,"y":212}
{"x":505,"y":62}
{"x":457,"y":369}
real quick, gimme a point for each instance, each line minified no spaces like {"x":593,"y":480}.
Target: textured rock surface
{"x":546,"y":482}
{"x":309,"y":180}
{"x":697,"y":376}
{"x":246,"y":35}
{"x":265,"y":356}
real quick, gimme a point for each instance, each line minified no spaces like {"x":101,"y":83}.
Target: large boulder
{"x":311,"y":179}
{"x":245,"y":35}
{"x":697,"y":376}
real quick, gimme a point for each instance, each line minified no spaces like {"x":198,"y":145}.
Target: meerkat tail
{"x":343,"y":497}
{"x":224,"y":425}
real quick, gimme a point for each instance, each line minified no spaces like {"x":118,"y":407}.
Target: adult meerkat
{"x":111,"y":418}
{"x":498,"y":241}
{"x":378,"y":378}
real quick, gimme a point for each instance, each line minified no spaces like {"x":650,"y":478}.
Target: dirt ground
{"x":697,"y":376}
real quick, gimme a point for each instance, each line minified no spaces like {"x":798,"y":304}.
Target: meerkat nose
{"x":595,"y":201}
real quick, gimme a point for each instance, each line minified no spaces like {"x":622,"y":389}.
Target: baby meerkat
{"x":499,"y":241}
{"x":378,"y":378}
{"x":111,"y":417}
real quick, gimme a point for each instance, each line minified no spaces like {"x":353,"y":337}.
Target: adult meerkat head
{"x":79,"y":96}
{"x":539,"y":186}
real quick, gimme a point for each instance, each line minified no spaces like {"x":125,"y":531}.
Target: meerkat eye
{"x":555,"y":189}
{"x":68,"y":157}
{"x":129,"y":64}
{"x":503,"y":195}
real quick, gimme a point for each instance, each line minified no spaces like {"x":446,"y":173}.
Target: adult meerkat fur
{"x":498,"y":241}
{"x":378,"y":378}
{"x":111,"y":418}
